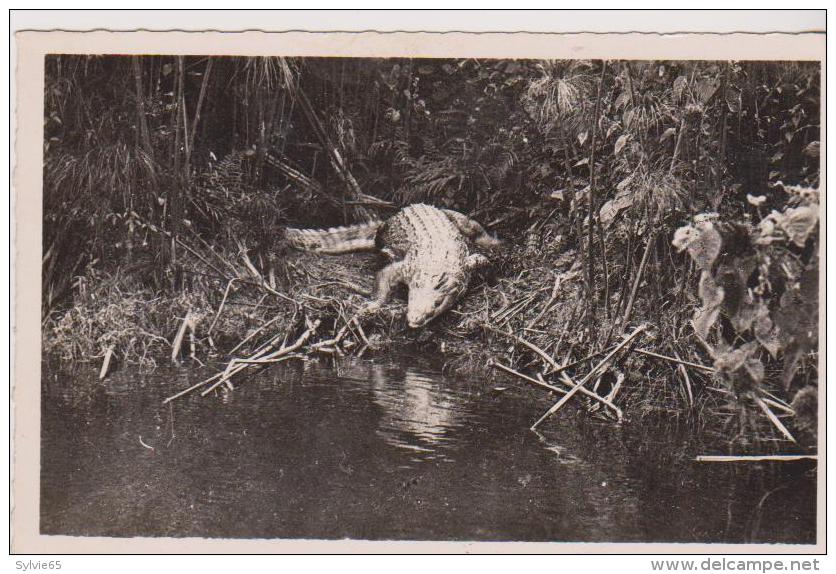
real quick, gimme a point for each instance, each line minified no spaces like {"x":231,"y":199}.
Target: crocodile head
{"x":431,"y":297}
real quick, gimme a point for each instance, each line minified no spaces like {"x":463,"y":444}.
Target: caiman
{"x":429,"y":250}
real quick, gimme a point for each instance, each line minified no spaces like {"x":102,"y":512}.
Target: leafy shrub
{"x":758,"y":289}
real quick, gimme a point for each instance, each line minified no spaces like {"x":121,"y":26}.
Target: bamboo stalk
{"x":588,"y":376}
{"x":756,"y":458}
{"x":192,"y":338}
{"x":337,"y":162}
{"x":145,"y":137}
{"x":779,"y":406}
{"x":776,"y":399}
{"x":605,"y":269}
{"x":619,"y":382}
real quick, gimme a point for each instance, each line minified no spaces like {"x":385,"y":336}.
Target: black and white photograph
{"x":430,"y":299}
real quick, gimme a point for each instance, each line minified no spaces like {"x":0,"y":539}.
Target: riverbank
{"x":527,"y":319}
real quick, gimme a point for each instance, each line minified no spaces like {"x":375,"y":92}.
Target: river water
{"x":375,"y":450}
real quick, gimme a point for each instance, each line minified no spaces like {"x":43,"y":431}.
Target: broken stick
{"x":588,"y":376}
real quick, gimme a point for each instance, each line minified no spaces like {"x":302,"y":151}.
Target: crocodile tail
{"x":335,"y":240}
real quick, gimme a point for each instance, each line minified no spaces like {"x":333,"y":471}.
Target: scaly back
{"x":426,"y":237}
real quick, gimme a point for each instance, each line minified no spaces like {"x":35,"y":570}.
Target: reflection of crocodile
{"x":429,"y":250}
{"x":418,"y":410}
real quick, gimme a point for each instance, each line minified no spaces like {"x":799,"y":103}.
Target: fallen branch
{"x":545,"y":356}
{"x":194,"y":387}
{"x":588,"y":376}
{"x":531,"y":380}
{"x":256,"y":332}
{"x":566,"y":379}
{"x":756,"y":457}
{"x":579,"y":361}
{"x":676,"y":360}
{"x":237,"y":365}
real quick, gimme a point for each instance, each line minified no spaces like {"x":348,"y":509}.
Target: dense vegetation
{"x":680,"y":195}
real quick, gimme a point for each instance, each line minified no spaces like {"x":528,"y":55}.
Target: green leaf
{"x":799,"y":222}
{"x":711,"y":295}
{"x":728,"y":362}
{"x":623,"y":199}
{"x":766,"y":333}
{"x":705,"y":246}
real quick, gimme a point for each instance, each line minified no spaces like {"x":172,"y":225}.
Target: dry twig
{"x":588,"y":376}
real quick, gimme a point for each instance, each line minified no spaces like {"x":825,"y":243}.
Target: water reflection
{"x":419,"y":411}
{"x":384,"y":451}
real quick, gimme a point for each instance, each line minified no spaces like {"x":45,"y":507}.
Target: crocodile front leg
{"x":387,"y":279}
